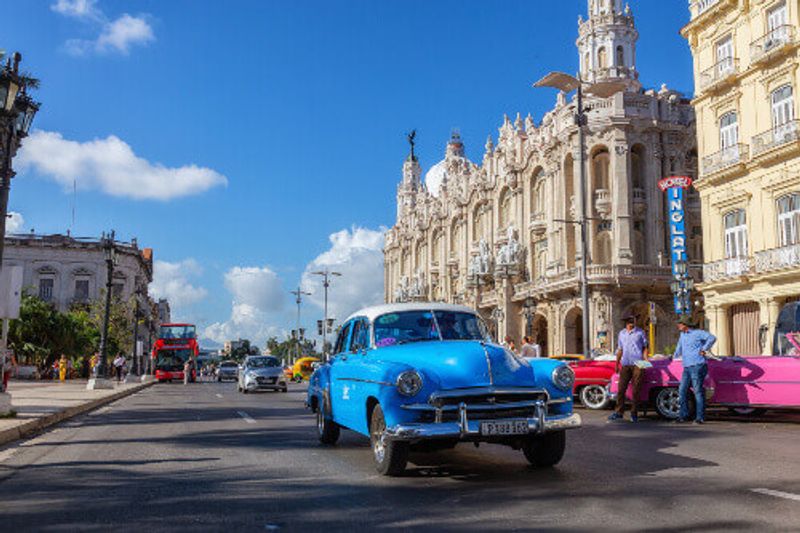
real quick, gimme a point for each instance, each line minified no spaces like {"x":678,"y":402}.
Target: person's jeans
{"x":695,"y":376}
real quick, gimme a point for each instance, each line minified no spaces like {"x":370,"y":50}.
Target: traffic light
{"x":319,"y":327}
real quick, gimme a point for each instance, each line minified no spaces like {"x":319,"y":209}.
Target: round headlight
{"x":409,"y":383}
{"x":563,"y":377}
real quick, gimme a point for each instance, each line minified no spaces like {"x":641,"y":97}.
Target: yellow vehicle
{"x":303,"y":368}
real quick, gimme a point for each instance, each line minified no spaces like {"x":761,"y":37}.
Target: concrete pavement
{"x":204,"y":457}
{"x":40,"y":404}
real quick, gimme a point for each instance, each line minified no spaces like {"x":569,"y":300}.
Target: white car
{"x":262,"y":372}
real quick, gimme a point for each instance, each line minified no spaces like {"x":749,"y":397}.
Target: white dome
{"x":435,"y":177}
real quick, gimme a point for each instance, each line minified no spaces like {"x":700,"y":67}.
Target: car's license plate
{"x":504,"y":427}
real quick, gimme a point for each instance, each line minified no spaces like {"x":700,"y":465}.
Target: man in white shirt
{"x":529,"y":348}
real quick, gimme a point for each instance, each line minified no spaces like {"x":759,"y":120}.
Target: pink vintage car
{"x":743,"y":384}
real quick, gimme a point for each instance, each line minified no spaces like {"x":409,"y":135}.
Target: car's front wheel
{"x":545,"y":450}
{"x":668,"y":403}
{"x":594,"y":397}
{"x":327,"y":430}
{"x":390,"y":456}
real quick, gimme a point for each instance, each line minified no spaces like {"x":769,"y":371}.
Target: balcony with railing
{"x":733,"y":267}
{"x":725,"y":158}
{"x":775,"y":137}
{"x":538,"y":224}
{"x":723,"y":71}
{"x":771,"y":44}
{"x":778,"y":259}
{"x":602,"y":201}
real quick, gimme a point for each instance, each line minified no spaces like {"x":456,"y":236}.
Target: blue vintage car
{"x":427,"y":376}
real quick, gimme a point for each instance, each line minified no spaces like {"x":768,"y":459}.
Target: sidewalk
{"x":40,"y":404}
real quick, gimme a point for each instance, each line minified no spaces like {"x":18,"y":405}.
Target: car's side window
{"x":360,"y":336}
{"x":342,"y":339}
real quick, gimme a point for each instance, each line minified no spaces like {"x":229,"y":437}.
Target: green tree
{"x":120,"y":323}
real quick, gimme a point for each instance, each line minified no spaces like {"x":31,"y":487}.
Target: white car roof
{"x":372,"y":313}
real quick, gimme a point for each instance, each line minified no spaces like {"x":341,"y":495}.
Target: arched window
{"x":735,"y":234}
{"x":537,"y":193}
{"x":602,"y":59}
{"x":480,"y":226}
{"x":456,"y":238}
{"x":620,"y":56}
{"x":600,"y":169}
{"x":505,"y":209}
{"x":436,"y":250}
{"x":789,"y":219}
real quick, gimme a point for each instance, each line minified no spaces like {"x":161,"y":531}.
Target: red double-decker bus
{"x":176,"y":344}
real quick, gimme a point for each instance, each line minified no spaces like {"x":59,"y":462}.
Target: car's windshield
{"x":176,"y":332}
{"x":172,"y":360}
{"x":262,"y":362}
{"x":417,"y":326}
{"x":228,"y":364}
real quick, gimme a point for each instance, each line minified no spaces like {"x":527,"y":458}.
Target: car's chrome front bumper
{"x":470,"y":430}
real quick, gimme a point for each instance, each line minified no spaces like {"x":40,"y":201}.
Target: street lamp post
{"x":17,"y":110}
{"x":100,"y":379}
{"x":326,"y":283}
{"x":299,"y":293}
{"x":566,"y":83}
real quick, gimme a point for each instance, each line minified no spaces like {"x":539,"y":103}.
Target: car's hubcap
{"x":669,"y":403}
{"x":594,"y":396}
{"x":379,"y":442}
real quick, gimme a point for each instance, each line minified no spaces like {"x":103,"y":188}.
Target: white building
{"x":500,"y":235}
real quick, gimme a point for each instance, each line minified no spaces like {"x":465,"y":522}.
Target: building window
{"x":637,"y":167}
{"x":729,"y":137}
{"x":540,"y":258}
{"x":505,"y":209}
{"x":603,"y":248}
{"x":725,"y":55}
{"x":620,"y":56}
{"x":46,"y":289}
{"x":81,"y":290}
{"x":735,"y":234}
{"x":789,"y":219}
{"x":116,"y":290}
{"x":777,"y":23}
{"x":782,"y":108}
{"x":600,"y":167}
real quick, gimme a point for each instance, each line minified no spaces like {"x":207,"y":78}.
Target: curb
{"x":44,"y":422}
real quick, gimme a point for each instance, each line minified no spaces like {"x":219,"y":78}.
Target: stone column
{"x":773,"y":310}
{"x":718,"y":326}
{"x":621,"y":201}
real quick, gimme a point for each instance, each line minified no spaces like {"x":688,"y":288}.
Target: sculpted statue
{"x":402,"y":292}
{"x":509,"y":253}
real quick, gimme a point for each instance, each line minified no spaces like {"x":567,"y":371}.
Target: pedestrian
{"x":119,"y":364}
{"x":529,"y":348}
{"x":187,"y":369}
{"x":62,"y":368}
{"x":9,"y":365}
{"x":631,"y":351}
{"x":509,"y":343}
{"x":693,"y":345}
{"x":95,"y":363}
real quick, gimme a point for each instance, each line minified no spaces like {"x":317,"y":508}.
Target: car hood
{"x":459,"y":364}
{"x":268,"y":372}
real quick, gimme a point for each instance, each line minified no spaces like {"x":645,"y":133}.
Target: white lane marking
{"x":247,"y":418}
{"x":778,"y":494}
{"x":219,"y":395}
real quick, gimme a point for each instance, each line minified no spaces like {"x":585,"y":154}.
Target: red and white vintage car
{"x":592,"y":378}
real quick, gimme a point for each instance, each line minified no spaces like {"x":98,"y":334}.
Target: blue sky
{"x":292,"y":113}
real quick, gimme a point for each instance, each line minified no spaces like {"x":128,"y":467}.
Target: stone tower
{"x":607,"y":44}
{"x":409,"y":187}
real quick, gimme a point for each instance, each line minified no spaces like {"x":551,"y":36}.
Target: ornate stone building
{"x":501,"y":235}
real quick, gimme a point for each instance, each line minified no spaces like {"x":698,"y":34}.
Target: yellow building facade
{"x":746,"y":58}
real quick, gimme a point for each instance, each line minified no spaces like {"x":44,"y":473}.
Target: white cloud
{"x":118,"y":35}
{"x":78,"y":9}
{"x":111,"y":166}
{"x":258,"y":300}
{"x":14,"y":222}
{"x":358,"y":255}
{"x":172,"y":281}
{"x":123,"y":33}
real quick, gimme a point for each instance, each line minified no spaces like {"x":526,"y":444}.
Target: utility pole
{"x":100,"y":379}
{"x":326,"y":276}
{"x":299,"y":293}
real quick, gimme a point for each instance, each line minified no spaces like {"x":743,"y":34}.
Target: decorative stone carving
{"x":481,"y":263}
{"x":510,"y":253}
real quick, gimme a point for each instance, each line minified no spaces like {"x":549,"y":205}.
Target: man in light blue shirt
{"x":692,"y":347}
{"x":631,"y":349}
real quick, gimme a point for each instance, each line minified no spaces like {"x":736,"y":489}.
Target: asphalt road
{"x":203,"y":457}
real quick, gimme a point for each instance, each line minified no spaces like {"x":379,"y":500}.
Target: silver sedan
{"x":262,"y":372}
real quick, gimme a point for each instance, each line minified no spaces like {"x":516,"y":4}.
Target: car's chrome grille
{"x":486,"y":397}
{"x":498,"y":414}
